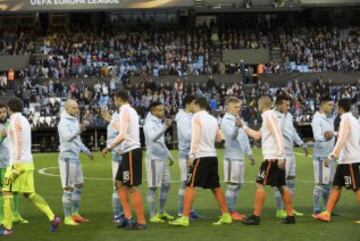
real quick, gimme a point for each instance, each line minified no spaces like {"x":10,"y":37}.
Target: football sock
{"x":188,"y":200}
{"x":8,"y":213}
{"x":326,"y":193}
{"x":15,"y":206}
{"x":124,"y":199}
{"x":116,"y":206}
{"x":181,"y":194}
{"x":358,"y":196}
{"x":333,"y":199}
{"x":139,"y":209}
{"x":220,"y":198}
{"x":232,"y":193}
{"x":67,"y":203}
{"x":42,"y":205}
{"x":287,"y":200}
{"x":1,"y":207}
{"x":76,"y":196}
{"x":317,"y":193}
{"x":259,"y":202}
{"x":150,"y":199}
{"x":164,"y":190}
{"x":278,"y":199}
{"x":290,"y":184}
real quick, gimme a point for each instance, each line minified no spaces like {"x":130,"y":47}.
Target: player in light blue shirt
{"x":112,"y":133}
{"x":324,"y":135}
{"x":157,"y":170}
{"x":290,"y":137}
{"x":71,"y":174}
{"x":183,"y":124}
{"x":236,"y":146}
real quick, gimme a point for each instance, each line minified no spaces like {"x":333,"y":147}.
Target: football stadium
{"x":180,"y":120}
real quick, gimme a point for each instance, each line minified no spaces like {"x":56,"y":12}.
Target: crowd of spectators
{"x":170,"y":50}
{"x":185,"y":52}
{"x":133,"y":52}
{"x":321,"y":49}
{"x":71,"y":58}
{"x":44,"y":102}
{"x":16,"y":42}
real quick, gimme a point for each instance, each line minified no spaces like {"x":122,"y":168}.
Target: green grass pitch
{"x":96,"y":205}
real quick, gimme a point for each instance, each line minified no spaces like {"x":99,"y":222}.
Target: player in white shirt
{"x":347,"y":152}
{"x":272,"y":170}
{"x":129,"y":174}
{"x":19,"y":176}
{"x":204,"y":163}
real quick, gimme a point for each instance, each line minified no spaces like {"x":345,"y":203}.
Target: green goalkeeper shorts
{"x":19,"y":178}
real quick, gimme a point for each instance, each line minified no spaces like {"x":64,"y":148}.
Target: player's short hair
{"x":154,"y":104}
{"x":231,"y":100}
{"x":3,"y":105}
{"x":325,"y":98}
{"x":202,"y":103}
{"x":281,"y":98}
{"x":15,"y":105}
{"x":266,"y":101}
{"x":69,"y":101}
{"x":345,"y":104}
{"x":188,"y":100}
{"x":122,"y":94}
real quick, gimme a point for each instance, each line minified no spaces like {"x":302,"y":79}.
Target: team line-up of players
{"x":335,"y":165}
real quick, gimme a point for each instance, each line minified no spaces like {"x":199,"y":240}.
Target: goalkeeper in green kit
{"x":4,"y":163}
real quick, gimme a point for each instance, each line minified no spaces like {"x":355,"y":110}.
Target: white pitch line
{"x":302,"y":154}
{"x":43,"y":171}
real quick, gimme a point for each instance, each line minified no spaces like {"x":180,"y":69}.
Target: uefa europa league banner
{"x":59,"y":5}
